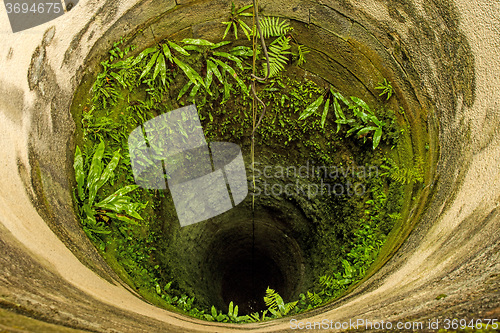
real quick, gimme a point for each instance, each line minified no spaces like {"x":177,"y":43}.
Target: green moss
{"x":441,"y":296}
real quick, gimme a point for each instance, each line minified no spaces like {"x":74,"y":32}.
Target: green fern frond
{"x":276,"y":305}
{"x":254,"y":317}
{"x":302,"y":50}
{"x":278,"y":51}
{"x":386,"y":88}
{"x":395,"y":216}
{"x":271,"y":298}
{"x":289,"y":307}
{"x":326,"y":280}
{"x":405,"y":175}
{"x":273,"y":27}
{"x":314,"y":298}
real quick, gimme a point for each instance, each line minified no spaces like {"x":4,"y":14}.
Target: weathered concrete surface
{"x":444,"y":60}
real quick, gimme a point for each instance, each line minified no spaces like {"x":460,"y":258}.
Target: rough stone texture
{"x":443,"y":58}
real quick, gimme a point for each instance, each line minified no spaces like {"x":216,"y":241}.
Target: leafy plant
{"x":362,"y":123}
{"x":159,"y":56}
{"x":124,"y":71}
{"x":137,"y":111}
{"x":232,"y":313}
{"x":104,"y":89}
{"x":235,"y":20}
{"x":395,"y":216}
{"x":314,"y":298}
{"x":386,"y":88}
{"x":116,"y":52}
{"x":276,"y":306}
{"x":279,"y":50}
{"x":404,"y":174}
{"x":215,"y":315}
{"x":367,"y":242}
{"x":366,"y":246}
{"x":256,"y":316}
{"x":96,"y":128}
{"x":313,"y":107}
{"x":302,"y":50}
{"x":273,"y":27}
{"x":231,"y":316}
{"x":94,"y":215}
{"x":215,"y":65}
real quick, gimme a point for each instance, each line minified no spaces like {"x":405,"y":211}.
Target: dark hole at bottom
{"x":245,"y":282}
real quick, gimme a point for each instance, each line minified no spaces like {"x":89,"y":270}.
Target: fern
{"x":104,"y":90}
{"x":273,"y":27}
{"x":302,"y":50}
{"x":272,"y":298}
{"x":395,"y":216}
{"x":255,"y":317}
{"x":386,"y":88}
{"x":278,"y":51}
{"x":290,"y":306}
{"x":276,"y":305}
{"x":327,"y":281}
{"x":314,"y":298}
{"x":405,"y":175}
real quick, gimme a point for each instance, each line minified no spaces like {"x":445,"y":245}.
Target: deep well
{"x":444,"y":61}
